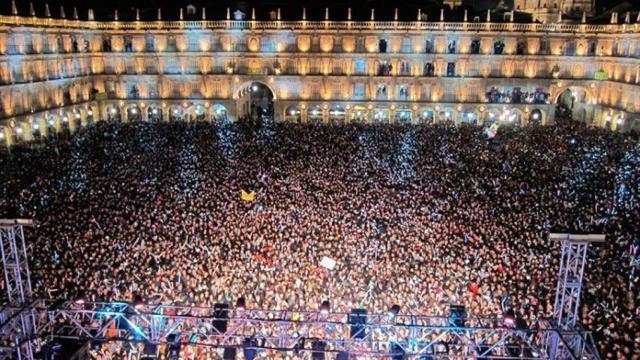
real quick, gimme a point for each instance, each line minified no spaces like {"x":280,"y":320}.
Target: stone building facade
{"x":62,"y":73}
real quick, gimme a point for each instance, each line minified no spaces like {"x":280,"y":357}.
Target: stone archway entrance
{"x":254,"y":101}
{"x":573,"y":102}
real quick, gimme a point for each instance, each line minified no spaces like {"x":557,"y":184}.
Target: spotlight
{"x":112,"y":110}
{"x":89,"y":112}
{"x":394,"y":310}
{"x":36,"y":126}
{"x":240,"y":304}
{"x":154,"y":111}
{"x":138,"y":304}
{"x":77,"y":116}
{"x":134,"y":111}
{"x":254,"y":87}
{"x":65,"y":119}
{"x":325,"y":307}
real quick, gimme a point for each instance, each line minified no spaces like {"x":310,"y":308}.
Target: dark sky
{"x":291,"y":9}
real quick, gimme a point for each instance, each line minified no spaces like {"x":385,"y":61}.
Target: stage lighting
{"x":394,"y":310}
{"x":138,"y":304}
{"x":509,"y":318}
{"x":81,"y":300}
{"x":325,"y":307}
{"x":240,"y":304}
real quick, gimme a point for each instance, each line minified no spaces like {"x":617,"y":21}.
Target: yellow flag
{"x":247,"y":196}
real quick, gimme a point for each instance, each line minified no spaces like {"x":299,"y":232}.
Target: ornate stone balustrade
{"x":320,"y":25}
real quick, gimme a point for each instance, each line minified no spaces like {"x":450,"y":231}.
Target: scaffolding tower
{"x":566,"y":307}
{"x":17,"y":318}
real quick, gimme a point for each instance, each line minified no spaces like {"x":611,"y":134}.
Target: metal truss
{"x":566,"y":308}
{"x":17,"y":319}
{"x":303,"y":332}
{"x":24,"y":322}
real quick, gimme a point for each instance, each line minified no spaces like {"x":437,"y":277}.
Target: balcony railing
{"x":318,"y":25}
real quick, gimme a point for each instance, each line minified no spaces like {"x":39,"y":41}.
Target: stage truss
{"x":17,"y":318}
{"x":267,"y":330}
{"x":24,"y":323}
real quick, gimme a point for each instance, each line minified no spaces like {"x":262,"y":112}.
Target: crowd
{"x":517,"y":96}
{"x":420,"y":216}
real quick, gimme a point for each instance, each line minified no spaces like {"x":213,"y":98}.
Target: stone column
{"x":8,"y":135}
{"x":145,"y":112}
{"x":124,"y":115}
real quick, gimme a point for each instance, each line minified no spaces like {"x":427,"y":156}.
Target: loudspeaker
{"x":358,"y":320}
{"x":317,"y":347}
{"x":229,"y":354}
{"x":150,"y":349}
{"x":457,"y":315}
{"x":397,"y":351}
{"x":249,"y":350}
{"x":220,"y":314}
{"x":172,"y":351}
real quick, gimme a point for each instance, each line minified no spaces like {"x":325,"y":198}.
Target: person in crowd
{"x":420,"y":216}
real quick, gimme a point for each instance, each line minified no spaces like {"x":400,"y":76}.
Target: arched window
{"x":382,"y":46}
{"x":361,"y":67}
{"x":451,"y":69}
{"x":475,"y":46}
